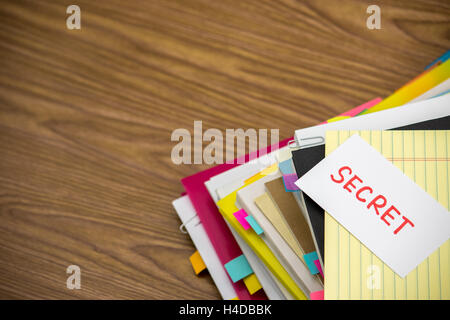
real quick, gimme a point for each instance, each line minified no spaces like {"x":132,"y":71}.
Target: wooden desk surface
{"x":86,"y":118}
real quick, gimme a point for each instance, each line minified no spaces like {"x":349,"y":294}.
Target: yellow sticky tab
{"x":284,"y":154}
{"x":252,"y":283}
{"x":197,"y":262}
{"x":235,"y":298}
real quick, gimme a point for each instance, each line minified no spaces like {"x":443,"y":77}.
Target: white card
{"x":410,"y":224}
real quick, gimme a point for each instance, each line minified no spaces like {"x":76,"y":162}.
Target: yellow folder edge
{"x":414,"y":89}
{"x":227,"y":207}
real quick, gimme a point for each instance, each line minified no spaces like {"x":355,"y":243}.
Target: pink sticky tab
{"x":317,"y":295}
{"x":240,"y":216}
{"x":317,"y":263}
{"x":289,"y":181}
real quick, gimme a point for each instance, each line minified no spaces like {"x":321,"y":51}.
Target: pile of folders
{"x":260,"y":237}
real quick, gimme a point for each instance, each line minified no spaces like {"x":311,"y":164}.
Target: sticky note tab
{"x":284,"y":154}
{"x":235,"y":298}
{"x":255,"y":226}
{"x":286,"y":167}
{"x":238,"y":268}
{"x":240,"y":216}
{"x":289,"y":182}
{"x":317,"y":295}
{"x":318,"y":266}
{"x":309,"y":260}
{"x":252,"y":283}
{"x":197,"y":262}
{"x":377,"y":203}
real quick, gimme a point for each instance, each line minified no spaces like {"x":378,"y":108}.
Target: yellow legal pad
{"x":227,"y":206}
{"x":351,"y":270}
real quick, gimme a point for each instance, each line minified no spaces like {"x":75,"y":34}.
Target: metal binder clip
{"x":183,"y":229}
{"x":292,"y":144}
{"x":321,"y":141}
{"x":183,"y":225}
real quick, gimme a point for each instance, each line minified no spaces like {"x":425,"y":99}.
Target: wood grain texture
{"x":86,"y":118}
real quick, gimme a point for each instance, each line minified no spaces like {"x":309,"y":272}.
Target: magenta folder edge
{"x":217,"y":230}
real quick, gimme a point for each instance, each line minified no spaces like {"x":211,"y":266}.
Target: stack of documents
{"x":356,"y":207}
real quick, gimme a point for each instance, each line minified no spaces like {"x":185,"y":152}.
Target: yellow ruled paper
{"x":351,"y":270}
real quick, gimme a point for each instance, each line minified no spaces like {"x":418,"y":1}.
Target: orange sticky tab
{"x":252,"y":283}
{"x":197,"y":262}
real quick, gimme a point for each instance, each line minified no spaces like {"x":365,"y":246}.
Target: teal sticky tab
{"x":255,"y":226}
{"x":309,"y":259}
{"x":238,"y":268}
{"x":286,"y":167}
